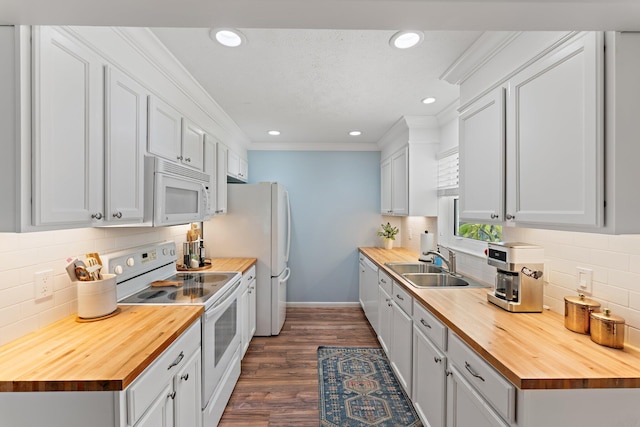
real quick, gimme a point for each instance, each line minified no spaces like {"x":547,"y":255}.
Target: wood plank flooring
{"x":279,"y":381}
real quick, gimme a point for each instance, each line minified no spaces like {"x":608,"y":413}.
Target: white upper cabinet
{"x":174,"y":137}
{"x":555,"y":151}
{"x":221,"y":172}
{"x":400,"y":182}
{"x":165,"y":130}
{"x":68,"y":160}
{"x":237,"y":168}
{"x":209,"y":165}
{"x":536,"y":158}
{"x":125,"y":139}
{"x":482,"y":168}
{"x":385,"y":186}
{"x":192,"y":144}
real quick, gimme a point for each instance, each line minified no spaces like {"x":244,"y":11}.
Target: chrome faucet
{"x":450,"y":261}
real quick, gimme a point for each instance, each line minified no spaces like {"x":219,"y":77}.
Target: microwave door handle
{"x":206,"y":198}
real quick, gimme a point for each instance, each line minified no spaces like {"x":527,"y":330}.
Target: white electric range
{"x":140,"y":270}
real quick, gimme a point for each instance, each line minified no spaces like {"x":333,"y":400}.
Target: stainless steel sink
{"x":413,"y":267}
{"x":425,"y":280}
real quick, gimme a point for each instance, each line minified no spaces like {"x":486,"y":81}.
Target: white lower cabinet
{"x":188,"y":388}
{"x":465,"y":406}
{"x":160,"y":412}
{"x":248,"y":308}
{"x":368,"y":290}
{"x":400,"y":353}
{"x":429,"y":367}
{"x":385,"y":314}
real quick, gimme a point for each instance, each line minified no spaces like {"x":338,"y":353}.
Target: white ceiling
{"x":314,"y":86}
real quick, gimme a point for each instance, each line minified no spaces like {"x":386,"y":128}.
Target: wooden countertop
{"x":532,"y":350}
{"x":104,"y":355}
{"x":232,"y":264}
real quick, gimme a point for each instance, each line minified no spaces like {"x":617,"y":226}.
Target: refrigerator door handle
{"x":286,"y":277}
{"x":286,"y":257}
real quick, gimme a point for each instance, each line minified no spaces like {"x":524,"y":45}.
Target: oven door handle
{"x":221,"y":303}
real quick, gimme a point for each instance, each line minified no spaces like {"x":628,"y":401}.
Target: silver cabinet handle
{"x":177,"y":361}
{"x":172,"y":395}
{"x":117,"y":215}
{"x":425,"y":323}
{"x":185,"y":377}
{"x":509,"y":216}
{"x":97,"y":215}
{"x":448,"y":372}
{"x":187,"y":159}
{"x":437,"y":359}
{"x":383,"y":281}
{"x":471,"y":371}
{"x":494,"y":215}
{"x":179,"y":157}
{"x":399,"y":297}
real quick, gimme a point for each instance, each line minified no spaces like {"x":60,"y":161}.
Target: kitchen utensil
{"x":160,"y":283}
{"x":577,"y":311}
{"x":607,"y":329}
{"x":93,"y":258}
{"x":82,"y":274}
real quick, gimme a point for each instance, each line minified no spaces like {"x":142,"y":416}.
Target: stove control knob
{"x":173,"y":252}
{"x":117,"y":269}
{"x":165,"y":251}
{"x":131,"y":262}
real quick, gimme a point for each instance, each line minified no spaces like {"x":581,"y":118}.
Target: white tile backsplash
{"x":23,"y":254}
{"x":615,"y":261}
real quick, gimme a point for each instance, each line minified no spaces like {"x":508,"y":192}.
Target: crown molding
{"x":481,"y":51}
{"x":320,"y":146}
{"x":449,"y":113}
{"x":415,"y":129}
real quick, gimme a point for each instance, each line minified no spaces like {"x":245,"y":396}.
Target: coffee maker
{"x":518,"y":284}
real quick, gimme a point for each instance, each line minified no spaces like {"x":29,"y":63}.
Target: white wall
{"x":22,"y":255}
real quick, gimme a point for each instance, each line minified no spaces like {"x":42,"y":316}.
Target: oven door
{"x":220,"y":340}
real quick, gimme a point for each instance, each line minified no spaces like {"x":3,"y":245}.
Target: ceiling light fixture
{"x":429,"y":100}
{"x":406,"y":39}
{"x":274,"y":132}
{"x":355,"y":133}
{"x":229,"y":37}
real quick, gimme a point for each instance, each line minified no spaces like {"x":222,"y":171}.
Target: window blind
{"x":448,"y":173}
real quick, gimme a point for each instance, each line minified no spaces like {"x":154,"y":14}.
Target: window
{"x":482,"y":232}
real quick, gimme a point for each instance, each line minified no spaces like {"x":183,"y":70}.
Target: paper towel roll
{"x":426,"y":244}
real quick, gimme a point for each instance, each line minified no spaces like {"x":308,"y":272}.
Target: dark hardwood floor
{"x":279,"y":381}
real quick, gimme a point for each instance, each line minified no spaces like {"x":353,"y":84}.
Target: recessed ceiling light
{"x":355,"y":133}
{"x":429,"y":100}
{"x":274,"y":132}
{"x":229,"y":37}
{"x":406,"y":39}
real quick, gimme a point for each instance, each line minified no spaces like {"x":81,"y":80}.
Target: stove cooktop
{"x":192,"y":288}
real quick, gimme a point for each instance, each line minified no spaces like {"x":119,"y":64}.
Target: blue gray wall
{"x":335,"y":207}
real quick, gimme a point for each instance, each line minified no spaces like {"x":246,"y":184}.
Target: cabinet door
{"x":362,"y":277}
{"x":252,"y":308}
{"x":555,"y":152}
{"x":221,"y":196}
{"x":160,"y":413}
{"x":233,"y":164}
{"x":243,"y":307}
{"x":243,"y":172}
{"x":482,"y":154}
{"x":401,"y":346}
{"x":68,"y":159}
{"x":125,"y":138}
{"x":192,"y":144}
{"x":188,"y":408}
{"x":385,"y":187}
{"x":165,"y":130}
{"x":209,"y":167}
{"x":429,"y":380}
{"x":400,"y":182}
{"x":465,"y":407}
{"x":385,"y":313}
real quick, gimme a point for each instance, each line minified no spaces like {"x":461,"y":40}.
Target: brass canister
{"x":577,"y":311}
{"x":607,"y":329}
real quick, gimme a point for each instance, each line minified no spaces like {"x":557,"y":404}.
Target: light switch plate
{"x":585,"y":280}
{"x":43,"y":284}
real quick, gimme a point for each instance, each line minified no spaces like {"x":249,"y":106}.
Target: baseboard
{"x":322,"y":304}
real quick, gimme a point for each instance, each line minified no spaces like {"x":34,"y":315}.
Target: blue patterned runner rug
{"x":358,"y":389}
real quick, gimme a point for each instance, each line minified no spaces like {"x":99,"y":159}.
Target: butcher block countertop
{"x":232,"y":264}
{"x":103,"y":355}
{"x":532,"y":350}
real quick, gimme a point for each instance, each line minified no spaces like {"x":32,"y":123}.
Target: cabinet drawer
{"x":145,"y":389}
{"x":402,"y":298}
{"x":429,"y":325}
{"x":499,"y":392}
{"x":384,"y":280}
{"x":248,"y":276}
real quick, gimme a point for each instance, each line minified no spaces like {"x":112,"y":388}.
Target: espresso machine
{"x":518,"y":285}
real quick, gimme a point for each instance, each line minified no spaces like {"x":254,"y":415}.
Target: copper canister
{"x":577,"y":312}
{"x":607,"y":329}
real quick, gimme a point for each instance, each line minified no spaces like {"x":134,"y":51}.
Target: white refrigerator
{"x":257,"y":225}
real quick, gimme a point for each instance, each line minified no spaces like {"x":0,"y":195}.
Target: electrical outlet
{"x":44,"y":284}
{"x":585,"y":280}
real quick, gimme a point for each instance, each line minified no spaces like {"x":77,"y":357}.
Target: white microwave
{"x":174,"y":194}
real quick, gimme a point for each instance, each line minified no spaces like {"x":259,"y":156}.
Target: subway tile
{"x":634,"y":300}
{"x":591,"y":240}
{"x":18,"y":329}
{"x":16,"y":295}
{"x":9,"y":279}
{"x":52,"y":315}
{"x":8,"y":242}
{"x":611,"y":260}
{"x":633,"y":337}
{"x":634,"y":263}
{"x":624,"y":279}
{"x":631,"y":317}
{"x":625,"y":243}
{"x":611,"y":293}
{"x":9,"y":315}
{"x":33,"y":308}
